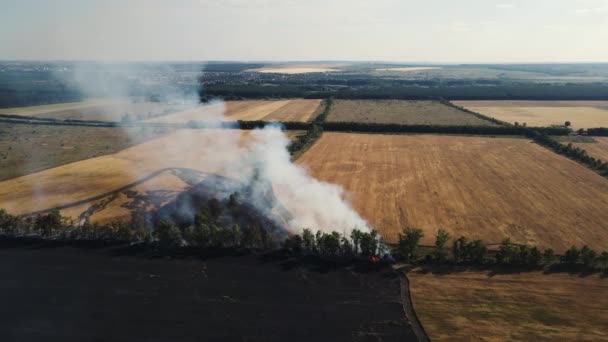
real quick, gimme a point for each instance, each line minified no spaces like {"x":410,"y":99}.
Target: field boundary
{"x":479,"y":115}
{"x":575,"y":154}
{"x":408,"y":308}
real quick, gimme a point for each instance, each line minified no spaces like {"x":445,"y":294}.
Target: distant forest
{"x":36,"y":83}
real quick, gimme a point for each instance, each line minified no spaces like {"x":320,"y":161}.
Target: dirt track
{"x":78,"y":294}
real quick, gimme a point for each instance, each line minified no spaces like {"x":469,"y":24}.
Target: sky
{"x":429,"y":31}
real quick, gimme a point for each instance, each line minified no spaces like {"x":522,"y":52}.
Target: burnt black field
{"x":67,"y":293}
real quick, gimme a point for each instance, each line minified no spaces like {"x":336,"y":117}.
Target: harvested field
{"x":140,"y":177}
{"x":97,"y":110}
{"x":44,"y":109}
{"x":299,"y":68}
{"x":597,"y":149}
{"x":248,"y":110}
{"x":402,"y":112}
{"x":409,"y":69}
{"x":582,"y":114}
{"x":479,"y":187}
{"x":511,"y":307}
{"x":26,"y":149}
{"x":69,"y":294}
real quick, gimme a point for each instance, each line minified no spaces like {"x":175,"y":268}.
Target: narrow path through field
{"x":408,"y":308}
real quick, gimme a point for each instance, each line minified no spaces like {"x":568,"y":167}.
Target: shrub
{"x":588,"y":256}
{"x":408,"y":242}
{"x":571,"y":256}
{"x":167,"y":234}
{"x":439,"y":253}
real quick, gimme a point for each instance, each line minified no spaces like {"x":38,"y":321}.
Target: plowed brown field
{"x":479,"y":187}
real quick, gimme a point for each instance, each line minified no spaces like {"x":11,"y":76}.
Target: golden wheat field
{"x":248,"y":110}
{"x":480,"y":187}
{"x":43,"y":109}
{"x":581,"y":114}
{"x":158,"y":168}
{"x":99,"y":110}
{"x":472,"y":306}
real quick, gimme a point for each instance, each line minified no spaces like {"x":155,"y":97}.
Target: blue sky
{"x":391,"y":30}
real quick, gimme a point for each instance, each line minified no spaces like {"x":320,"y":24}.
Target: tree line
{"x":400,"y":128}
{"x":205,"y":233}
{"x":475,"y":252}
{"x":572,"y":152}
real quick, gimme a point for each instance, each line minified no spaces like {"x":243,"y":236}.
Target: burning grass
{"x":519,"y":306}
{"x":480,"y":187}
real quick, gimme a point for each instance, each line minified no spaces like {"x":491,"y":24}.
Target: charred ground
{"x":67,"y":293}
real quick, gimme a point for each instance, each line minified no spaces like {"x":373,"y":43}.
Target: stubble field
{"x":148,"y":174}
{"x":581,"y":114}
{"x":26,"y":149}
{"x":402,"y":112}
{"x":268,"y":110}
{"x":480,"y":187}
{"x":597,"y":149}
{"x":98,"y":110}
{"x":520,"y":306}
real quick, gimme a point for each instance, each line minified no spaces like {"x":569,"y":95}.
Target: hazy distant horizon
{"x":388,"y":31}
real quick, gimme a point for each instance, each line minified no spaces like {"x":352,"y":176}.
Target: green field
{"x":402,"y":112}
{"x":29,"y":148}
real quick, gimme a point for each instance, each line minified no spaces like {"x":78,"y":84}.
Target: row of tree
{"x":400,"y":128}
{"x":572,"y":152}
{"x":476,"y":252}
{"x":314,"y":131}
{"x":205,"y":233}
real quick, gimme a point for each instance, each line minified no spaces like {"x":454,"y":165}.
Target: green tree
{"x":294,"y":243}
{"x":588,"y":256}
{"x":439,"y":253}
{"x":602,"y":261}
{"x":549,"y":257}
{"x":8,"y":223}
{"x":458,"y":248}
{"x":571,"y":256}
{"x":535,"y":257}
{"x":408,"y":242}
{"x":167,"y":234}
{"x":48,"y":224}
{"x":369,"y":243}
{"x":506,"y":252}
{"x":309,"y":240}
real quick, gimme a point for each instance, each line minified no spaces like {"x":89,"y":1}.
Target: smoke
{"x":258,"y":161}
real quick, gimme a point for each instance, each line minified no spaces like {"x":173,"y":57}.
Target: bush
{"x":588,"y":256}
{"x":439,"y":253}
{"x":571,"y":256}
{"x":167,"y":235}
{"x":48,"y":224}
{"x":408,"y":242}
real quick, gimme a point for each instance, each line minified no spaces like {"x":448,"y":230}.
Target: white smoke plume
{"x":253,"y":162}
